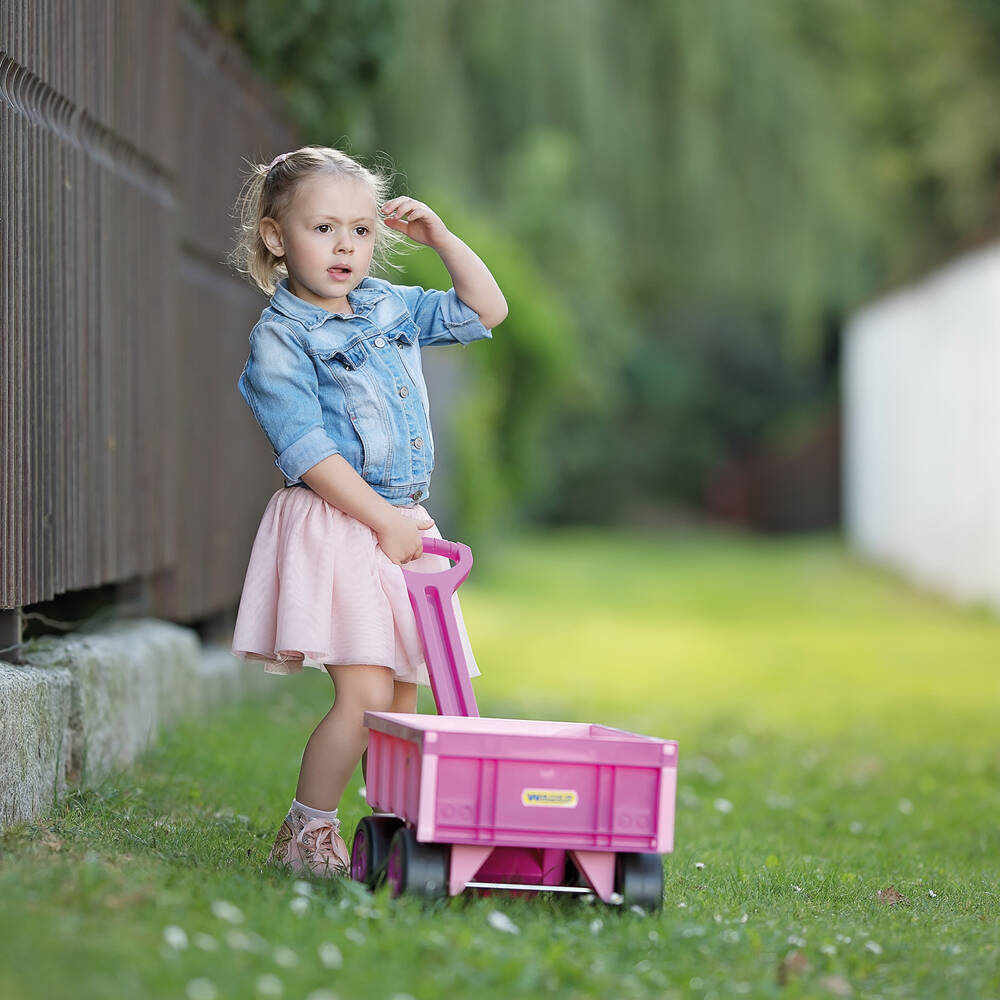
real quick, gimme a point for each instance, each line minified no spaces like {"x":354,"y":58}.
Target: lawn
{"x":837,"y":826}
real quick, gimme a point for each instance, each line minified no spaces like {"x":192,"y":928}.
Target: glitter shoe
{"x":310,"y":847}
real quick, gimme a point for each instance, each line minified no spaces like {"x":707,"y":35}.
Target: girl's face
{"x":326,"y":237}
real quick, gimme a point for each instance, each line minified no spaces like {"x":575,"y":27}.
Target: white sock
{"x":311,"y":813}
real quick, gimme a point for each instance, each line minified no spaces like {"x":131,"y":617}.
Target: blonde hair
{"x":269,"y":192}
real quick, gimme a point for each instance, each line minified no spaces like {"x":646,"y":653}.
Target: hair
{"x":270,"y":193}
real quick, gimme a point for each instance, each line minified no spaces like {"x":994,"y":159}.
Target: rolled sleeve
{"x":280,"y":386}
{"x":300,"y":456}
{"x":443,"y":318}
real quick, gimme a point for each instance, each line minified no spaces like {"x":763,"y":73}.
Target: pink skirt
{"x":319,"y":590}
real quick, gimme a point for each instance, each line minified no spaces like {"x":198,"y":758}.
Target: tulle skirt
{"x":319,"y":590}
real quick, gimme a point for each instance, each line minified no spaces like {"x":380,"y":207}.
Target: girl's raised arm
{"x":474,"y":284}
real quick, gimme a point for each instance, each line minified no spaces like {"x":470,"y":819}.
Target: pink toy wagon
{"x":465,"y":802}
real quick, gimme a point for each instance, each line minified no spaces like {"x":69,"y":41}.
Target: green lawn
{"x":837,"y":738}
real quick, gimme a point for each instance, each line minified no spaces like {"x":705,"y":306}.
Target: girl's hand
{"x":421,"y":224}
{"x":400,"y":539}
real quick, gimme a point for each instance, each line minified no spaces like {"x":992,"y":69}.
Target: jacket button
{"x":380,"y":341}
{"x":403,"y":391}
{"x":418,"y":442}
{"x":417,"y":495}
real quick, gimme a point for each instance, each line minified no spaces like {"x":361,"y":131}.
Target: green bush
{"x":713,"y":384}
{"x":516,"y":386}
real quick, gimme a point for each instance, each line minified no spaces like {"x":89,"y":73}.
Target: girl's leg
{"x":340,"y":738}
{"x":404,"y":699}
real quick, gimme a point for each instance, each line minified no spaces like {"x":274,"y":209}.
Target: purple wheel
{"x":415,"y":868}
{"x":371,"y":848}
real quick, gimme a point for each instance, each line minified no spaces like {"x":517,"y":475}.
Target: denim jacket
{"x":321,"y":383}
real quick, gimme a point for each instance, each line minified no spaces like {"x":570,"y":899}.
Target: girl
{"x":335,"y":383}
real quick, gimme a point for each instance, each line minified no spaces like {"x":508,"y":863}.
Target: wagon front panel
{"x":393,"y":781}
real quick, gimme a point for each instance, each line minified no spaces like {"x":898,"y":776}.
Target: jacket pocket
{"x":406,"y":332}
{"x":349,"y":359}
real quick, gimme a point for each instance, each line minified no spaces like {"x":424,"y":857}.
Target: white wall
{"x":922,"y":429}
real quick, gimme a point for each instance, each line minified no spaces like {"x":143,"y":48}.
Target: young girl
{"x":334,"y":380}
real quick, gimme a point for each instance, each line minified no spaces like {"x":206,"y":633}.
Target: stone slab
{"x":87,"y":704}
{"x":35,"y":739}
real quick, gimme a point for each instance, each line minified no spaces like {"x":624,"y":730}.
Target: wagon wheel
{"x":415,"y":868}
{"x":639,"y":880}
{"x":371,"y":848}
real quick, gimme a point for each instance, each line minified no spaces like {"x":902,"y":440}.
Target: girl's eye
{"x":324,"y":226}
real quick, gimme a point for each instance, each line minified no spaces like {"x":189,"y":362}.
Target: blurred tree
{"x":323,"y":56}
{"x":702,"y":186}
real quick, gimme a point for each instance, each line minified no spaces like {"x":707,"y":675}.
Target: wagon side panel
{"x":588,"y":806}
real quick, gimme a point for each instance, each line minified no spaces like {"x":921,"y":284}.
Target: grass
{"x":837,"y":738}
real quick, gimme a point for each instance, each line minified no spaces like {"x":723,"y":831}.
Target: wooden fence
{"x":129,"y":459}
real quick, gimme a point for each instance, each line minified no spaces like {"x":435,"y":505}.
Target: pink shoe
{"x":312,"y":847}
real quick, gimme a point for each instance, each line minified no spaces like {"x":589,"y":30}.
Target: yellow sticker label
{"x":564,"y":798}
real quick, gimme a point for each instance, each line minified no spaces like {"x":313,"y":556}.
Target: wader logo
{"x":564,"y":798}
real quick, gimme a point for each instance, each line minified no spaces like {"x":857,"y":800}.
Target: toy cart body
{"x":463,"y":801}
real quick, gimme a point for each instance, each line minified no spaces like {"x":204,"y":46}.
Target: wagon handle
{"x":431,"y":598}
{"x":457,"y":552}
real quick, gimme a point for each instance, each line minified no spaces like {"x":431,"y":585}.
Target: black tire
{"x":639,"y":880}
{"x":370,"y":849}
{"x":417,"y":869}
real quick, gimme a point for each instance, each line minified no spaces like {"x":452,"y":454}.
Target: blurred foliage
{"x":324,"y":57}
{"x":702,"y":189}
{"x":513,"y":389}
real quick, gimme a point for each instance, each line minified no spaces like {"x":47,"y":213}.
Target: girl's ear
{"x":270,"y":233}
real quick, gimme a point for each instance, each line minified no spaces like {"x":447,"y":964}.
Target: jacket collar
{"x":362,"y":300}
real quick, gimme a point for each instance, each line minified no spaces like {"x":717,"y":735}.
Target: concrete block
{"x":87,"y":704}
{"x":224,"y":677}
{"x":127,"y":679}
{"x":35,"y":739}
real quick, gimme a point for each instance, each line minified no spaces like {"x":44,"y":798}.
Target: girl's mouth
{"x":339,"y":271}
